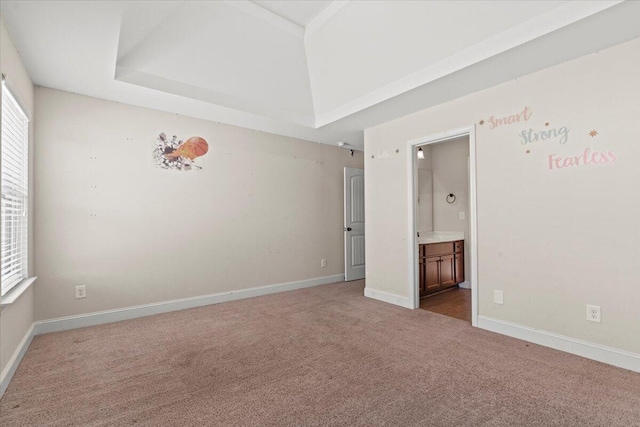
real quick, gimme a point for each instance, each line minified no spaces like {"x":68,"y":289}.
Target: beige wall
{"x":449,"y":161}
{"x":424,"y":191}
{"x":16,"y":319}
{"x":263,"y":210}
{"x":553,"y":240}
{"x":449,"y":166}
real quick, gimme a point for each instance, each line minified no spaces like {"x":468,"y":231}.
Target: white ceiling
{"x":218,"y":53}
{"x":316,"y":70}
{"x":300,"y":12}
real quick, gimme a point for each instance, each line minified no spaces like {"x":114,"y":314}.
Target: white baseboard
{"x":109,"y":316}
{"x":601,"y":353}
{"x":609,"y":355}
{"x":10,"y":369}
{"x":388,"y":297}
{"x":465,"y":285}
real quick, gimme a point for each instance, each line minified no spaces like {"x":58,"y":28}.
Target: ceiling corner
{"x":324,"y":16}
{"x":266,"y":15}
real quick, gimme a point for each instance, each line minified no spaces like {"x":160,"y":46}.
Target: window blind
{"x":14,"y":139}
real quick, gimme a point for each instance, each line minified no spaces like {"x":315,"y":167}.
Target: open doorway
{"x":442,"y":224}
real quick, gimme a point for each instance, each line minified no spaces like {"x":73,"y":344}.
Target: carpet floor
{"x":323,"y":356}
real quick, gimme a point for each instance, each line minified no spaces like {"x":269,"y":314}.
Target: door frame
{"x":412,"y":176}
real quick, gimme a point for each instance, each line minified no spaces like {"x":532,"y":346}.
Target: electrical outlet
{"x":498,"y":297}
{"x":462,"y":215}
{"x":323,"y":263}
{"x":81,"y":291}
{"x":593,"y":313}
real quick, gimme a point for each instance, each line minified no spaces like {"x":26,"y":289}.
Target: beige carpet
{"x":319,"y":356}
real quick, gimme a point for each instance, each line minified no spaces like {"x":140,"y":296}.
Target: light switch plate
{"x":498,"y":297}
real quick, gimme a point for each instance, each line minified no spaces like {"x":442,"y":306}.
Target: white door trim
{"x":473,"y":215}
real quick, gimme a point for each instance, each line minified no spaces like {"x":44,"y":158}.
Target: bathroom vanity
{"x":441,"y":261}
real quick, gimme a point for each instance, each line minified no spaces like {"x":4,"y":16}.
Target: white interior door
{"x":353,"y":224}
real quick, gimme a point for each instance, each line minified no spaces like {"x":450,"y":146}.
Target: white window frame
{"x":14,"y":176}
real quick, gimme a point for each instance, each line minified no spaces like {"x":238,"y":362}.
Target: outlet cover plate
{"x":81,"y":291}
{"x":498,"y":297}
{"x":593,"y":313}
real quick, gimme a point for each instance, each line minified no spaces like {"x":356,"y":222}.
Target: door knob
{"x":347,"y":229}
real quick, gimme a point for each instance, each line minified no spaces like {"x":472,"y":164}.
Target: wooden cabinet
{"x":431,"y":275}
{"x":447,"y":271}
{"x":441,"y":266}
{"x":459,"y":267}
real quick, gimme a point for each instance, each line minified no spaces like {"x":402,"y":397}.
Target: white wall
{"x":553,"y":240}
{"x":263,"y":210}
{"x":16,"y":319}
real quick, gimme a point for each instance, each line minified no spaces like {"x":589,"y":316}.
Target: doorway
{"x":444,"y":271}
{"x":454,"y":302}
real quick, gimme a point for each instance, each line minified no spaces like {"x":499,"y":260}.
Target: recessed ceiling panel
{"x":300,"y":12}
{"x":214,"y":52}
{"x":370,"y":45}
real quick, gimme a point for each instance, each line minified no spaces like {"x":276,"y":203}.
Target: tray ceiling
{"x":316,"y":70}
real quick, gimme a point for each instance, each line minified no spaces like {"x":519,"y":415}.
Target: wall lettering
{"x":523,"y":116}
{"x":530,"y":135}
{"x":558,"y":134}
{"x":587,"y":157}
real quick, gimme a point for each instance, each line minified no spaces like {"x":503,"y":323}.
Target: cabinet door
{"x":432,"y":274}
{"x":447,"y":271}
{"x":422,"y":271}
{"x":459,"y":258}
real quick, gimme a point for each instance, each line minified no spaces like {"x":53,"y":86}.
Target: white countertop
{"x":427,"y":237}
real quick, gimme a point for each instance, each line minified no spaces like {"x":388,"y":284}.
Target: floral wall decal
{"x":177,"y":154}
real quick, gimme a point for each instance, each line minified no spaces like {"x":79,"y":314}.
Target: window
{"x":14,"y":139}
